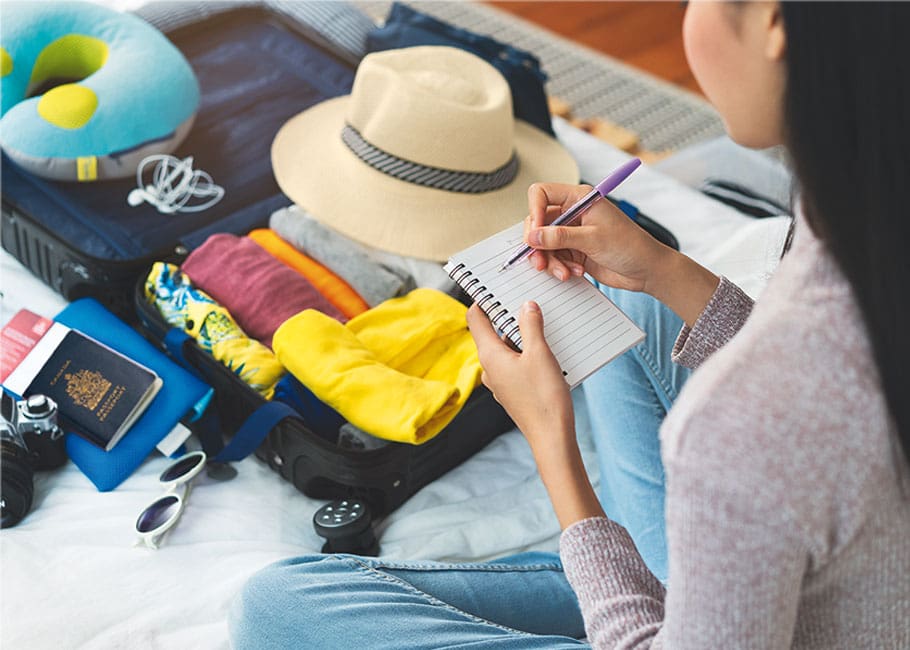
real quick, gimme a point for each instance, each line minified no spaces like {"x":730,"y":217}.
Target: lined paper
{"x":583,"y":327}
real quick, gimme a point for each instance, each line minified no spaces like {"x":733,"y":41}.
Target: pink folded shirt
{"x":259,"y":291}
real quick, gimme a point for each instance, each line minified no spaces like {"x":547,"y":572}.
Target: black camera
{"x":30,"y":440}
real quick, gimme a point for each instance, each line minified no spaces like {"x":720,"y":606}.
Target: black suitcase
{"x":253,"y":63}
{"x":383,"y":477}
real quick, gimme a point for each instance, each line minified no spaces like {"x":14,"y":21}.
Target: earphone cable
{"x":169,"y":197}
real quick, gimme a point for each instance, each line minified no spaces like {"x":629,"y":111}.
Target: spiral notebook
{"x":583,"y":327}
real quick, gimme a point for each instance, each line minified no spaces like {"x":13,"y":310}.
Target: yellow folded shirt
{"x":400,"y":371}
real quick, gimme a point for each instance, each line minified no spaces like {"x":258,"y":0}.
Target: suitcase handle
{"x":248,"y":436}
{"x":254,"y":430}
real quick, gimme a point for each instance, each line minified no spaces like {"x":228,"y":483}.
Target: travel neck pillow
{"x":88,"y":92}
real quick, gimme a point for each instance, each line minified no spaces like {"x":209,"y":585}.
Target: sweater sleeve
{"x":722,"y":317}
{"x":735,"y":574}
{"x":621,"y":601}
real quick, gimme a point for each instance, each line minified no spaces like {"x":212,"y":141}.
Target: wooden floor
{"x":643,"y":34}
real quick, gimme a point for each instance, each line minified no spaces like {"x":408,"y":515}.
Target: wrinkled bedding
{"x":71,"y":577}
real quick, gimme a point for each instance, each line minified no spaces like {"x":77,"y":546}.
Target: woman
{"x":786,"y":456}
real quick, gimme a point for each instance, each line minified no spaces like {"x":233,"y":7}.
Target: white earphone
{"x":169,"y":197}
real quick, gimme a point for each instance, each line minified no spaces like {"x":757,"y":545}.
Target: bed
{"x":71,"y":576}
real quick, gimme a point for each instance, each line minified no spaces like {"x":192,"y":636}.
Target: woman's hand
{"x":531,"y":388}
{"x":528,"y":384}
{"x":614,"y":250}
{"x":603,"y":242}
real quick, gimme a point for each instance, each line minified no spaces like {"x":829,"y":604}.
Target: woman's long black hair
{"x":847,"y":115}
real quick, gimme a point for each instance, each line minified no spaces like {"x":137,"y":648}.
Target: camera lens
{"x":29,"y":440}
{"x":16,"y":476}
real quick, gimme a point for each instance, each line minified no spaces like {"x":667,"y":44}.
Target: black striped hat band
{"x":434,"y":177}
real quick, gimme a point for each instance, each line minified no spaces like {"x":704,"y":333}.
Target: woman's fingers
{"x":579,"y":238}
{"x":570,"y":260}
{"x":557,"y":268}
{"x":530,"y":324}
{"x":546,"y":201}
{"x":481,"y":328}
{"x":555,"y":262}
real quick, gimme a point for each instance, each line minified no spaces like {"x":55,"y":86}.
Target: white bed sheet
{"x":71,"y":578}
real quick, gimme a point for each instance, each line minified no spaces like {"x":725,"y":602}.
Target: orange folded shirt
{"x":336,"y":291}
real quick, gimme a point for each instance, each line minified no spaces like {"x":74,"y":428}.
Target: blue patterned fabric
{"x":211,"y":325}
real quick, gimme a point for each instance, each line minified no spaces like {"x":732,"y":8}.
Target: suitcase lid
{"x":256,"y":69}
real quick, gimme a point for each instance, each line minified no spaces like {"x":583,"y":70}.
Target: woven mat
{"x":631,"y":109}
{"x":663,"y":117}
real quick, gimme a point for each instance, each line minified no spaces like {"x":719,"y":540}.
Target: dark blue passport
{"x":99,"y":392}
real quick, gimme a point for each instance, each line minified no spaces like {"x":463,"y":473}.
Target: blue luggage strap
{"x":254,"y":430}
{"x":251,"y":432}
{"x":174,"y":341}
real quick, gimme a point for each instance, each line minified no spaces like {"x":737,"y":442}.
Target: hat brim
{"x":318,"y":172}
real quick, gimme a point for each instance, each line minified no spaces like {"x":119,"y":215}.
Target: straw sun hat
{"x":423,"y":158}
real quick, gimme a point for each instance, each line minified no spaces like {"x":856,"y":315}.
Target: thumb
{"x":530,"y":325}
{"x":559,"y":237}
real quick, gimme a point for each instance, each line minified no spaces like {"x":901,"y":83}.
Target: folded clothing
{"x":350,"y":437}
{"x":426,"y":273}
{"x":259,"y":291}
{"x":336,"y":290}
{"x":192,"y":310}
{"x":400,"y":371}
{"x":372,"y":280}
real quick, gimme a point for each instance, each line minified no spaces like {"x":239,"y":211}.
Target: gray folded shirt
{"x":351,"y":437}
{"x":375,"y":281}
{"x":426,"y":273}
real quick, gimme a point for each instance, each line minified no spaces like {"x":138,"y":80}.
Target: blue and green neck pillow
{"x":118,"y":90}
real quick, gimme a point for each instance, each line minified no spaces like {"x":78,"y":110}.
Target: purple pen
{"x":600,"y":191}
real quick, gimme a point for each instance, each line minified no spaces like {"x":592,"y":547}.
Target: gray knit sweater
{"x":788,"y":497}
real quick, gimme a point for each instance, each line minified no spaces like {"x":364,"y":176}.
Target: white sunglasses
{"x":159,"y":517}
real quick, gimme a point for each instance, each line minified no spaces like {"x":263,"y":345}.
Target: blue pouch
{"x":405,"y":27}
{"x":182,"y":396}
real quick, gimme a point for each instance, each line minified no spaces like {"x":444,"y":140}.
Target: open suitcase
{"x":257,"y":66}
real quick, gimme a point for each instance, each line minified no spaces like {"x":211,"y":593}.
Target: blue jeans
{"x":627,"y":401}
{"x":522,"y":601}
{"x":350,"y":602}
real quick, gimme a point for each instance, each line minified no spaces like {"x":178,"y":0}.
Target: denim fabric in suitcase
{"x":256,"y":68}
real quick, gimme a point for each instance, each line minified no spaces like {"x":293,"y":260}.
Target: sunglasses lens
{"x":182,"y":467}
{"x":157,"y":513}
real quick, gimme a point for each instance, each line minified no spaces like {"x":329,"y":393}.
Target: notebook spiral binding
{"x":500,"y":318}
